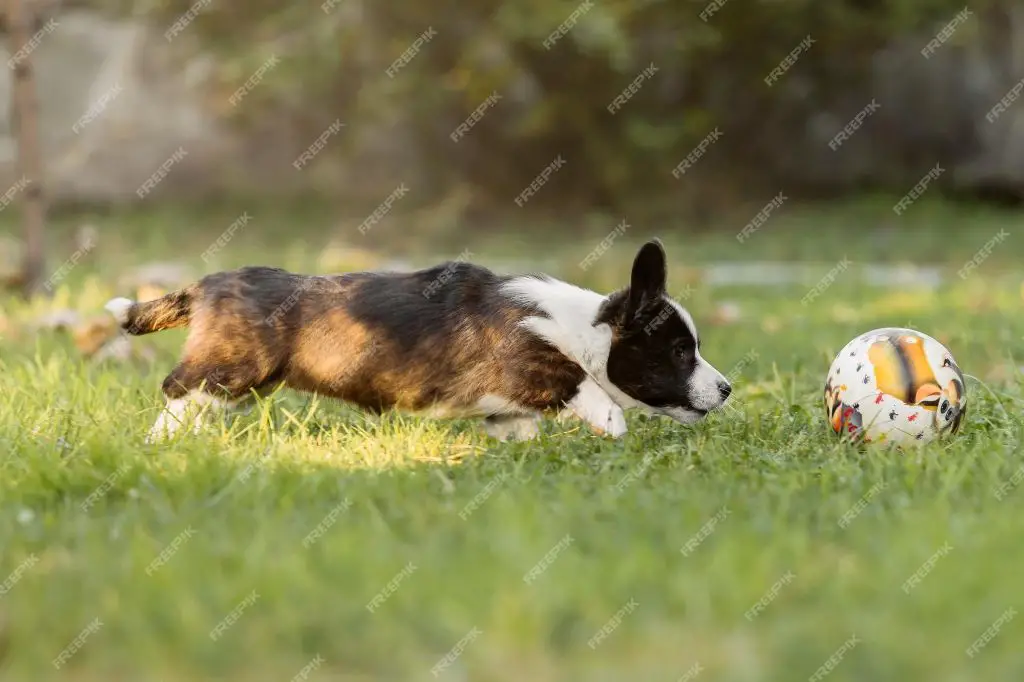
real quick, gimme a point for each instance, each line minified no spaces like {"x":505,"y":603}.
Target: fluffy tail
{"x":166,"y":312}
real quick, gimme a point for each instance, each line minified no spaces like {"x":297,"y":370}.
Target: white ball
{"x":895,"y":386}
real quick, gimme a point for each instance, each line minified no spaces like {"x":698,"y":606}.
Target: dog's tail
{"x":166,"y":312}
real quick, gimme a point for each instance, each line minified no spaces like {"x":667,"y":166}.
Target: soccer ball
{"x":895,"y":386}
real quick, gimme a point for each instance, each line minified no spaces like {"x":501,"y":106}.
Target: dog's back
{"x":444,"y":340}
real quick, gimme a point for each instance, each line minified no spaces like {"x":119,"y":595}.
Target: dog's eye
{"x":684,"y":351}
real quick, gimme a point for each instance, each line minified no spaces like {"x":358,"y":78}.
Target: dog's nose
{"x":724,"y":390}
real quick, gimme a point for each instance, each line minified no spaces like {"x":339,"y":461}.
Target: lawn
{"x":308,"y":541}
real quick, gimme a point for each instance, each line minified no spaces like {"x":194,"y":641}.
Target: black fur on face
{"x":654,"y":351}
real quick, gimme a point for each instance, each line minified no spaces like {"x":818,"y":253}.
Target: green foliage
{"x":710,"y":72}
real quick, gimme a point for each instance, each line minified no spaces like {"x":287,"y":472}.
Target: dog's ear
{"x":647,"y":282}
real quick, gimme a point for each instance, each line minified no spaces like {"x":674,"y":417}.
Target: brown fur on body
{"x":378,"y":340}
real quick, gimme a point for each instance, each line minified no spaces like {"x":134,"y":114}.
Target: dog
{"x":452,"y":341}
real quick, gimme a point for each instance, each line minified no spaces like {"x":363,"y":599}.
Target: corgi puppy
{"x":451,"y":341}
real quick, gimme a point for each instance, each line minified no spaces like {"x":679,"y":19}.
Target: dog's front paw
{"x":611,"y":425}
{"x":614,"y":426}
{"x":616,"y":423}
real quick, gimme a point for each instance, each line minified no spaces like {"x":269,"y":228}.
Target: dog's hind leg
{"x":194,"y":391}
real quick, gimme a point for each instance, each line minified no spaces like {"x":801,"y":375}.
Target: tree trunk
{"x":25,"y":122}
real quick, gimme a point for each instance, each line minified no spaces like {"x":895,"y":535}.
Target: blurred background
{"x":420,"y":129}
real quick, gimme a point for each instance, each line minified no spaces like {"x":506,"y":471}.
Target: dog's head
{"x":654,"y":358}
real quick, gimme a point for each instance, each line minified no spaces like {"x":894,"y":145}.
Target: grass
{"x":667,"y":539}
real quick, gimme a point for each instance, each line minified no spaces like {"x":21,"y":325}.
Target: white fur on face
{"x":685,"y":315}
{"x":704,"y":383}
